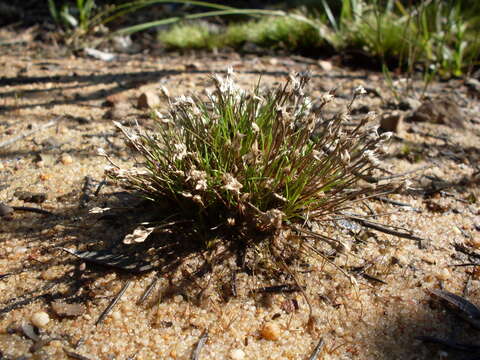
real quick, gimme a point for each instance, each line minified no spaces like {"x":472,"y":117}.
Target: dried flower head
{"x":231,"y":183}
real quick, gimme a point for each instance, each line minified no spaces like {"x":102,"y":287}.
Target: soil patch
{"x":378,"y":318}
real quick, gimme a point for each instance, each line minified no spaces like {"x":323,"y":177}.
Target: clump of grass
{"x":440,"y":37}
{"x":435,"y":34}
{"x":254,"y":162}
{"x":187,"y":36}
{"x":274,"y":32}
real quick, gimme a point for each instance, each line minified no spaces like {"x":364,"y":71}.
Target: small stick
{"x":110,"y":306}
{"x":371,"y":179}
{"x":463,"y":249}
{"x":75,"y":355}
{"x":406,"y":173}
{"x":200,"y":344}
{"x":148,"y":291}
{"x":234,"y":283}
{"x":386,"y":230}
{"x":30,"y":132}
{"x":99,"y":187}
{"x":464,"y":264}
{"x":32,"y":209}
{"x":318,"y":349}
{"x":285,"y":288}
{"x":397,"y":203}
{"x":86,"y":190}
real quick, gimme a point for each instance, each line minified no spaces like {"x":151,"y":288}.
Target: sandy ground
{"x":370,"y":320}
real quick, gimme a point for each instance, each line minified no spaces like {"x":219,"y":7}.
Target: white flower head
{"x":164,"y":119}
{"x":371,"y":115}
{"x":138,"y":235}
{"x":198,"y":199}
{"x":101,"y":152}
{"x":326,"y":98}
{"x":386,"y":136}
{"x":345,"y":157}
{"x":371,"y":157}
{"x":373,"y":132}
{"x":201,"y":185}
{"x":360,"y":90}
{"x":180,"y":151}
{"x":231,"y":183}
{"x":131,"y":135}
{"x":255,"y":127}
{"x":307,"y":103}
{"x":98,"y":210}
{"x":183,"y":100}
{"x":272,"y":219}
{"x":164,"y":91}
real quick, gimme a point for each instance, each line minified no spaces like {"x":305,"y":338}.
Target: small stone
{"x":473,"y":86}
{"x":27,"y":196}
{"x":441,"y":110}
{"x":325,"y":65}
{"x":237,"y":354}
{"x":270,"y":331}
{"x":63,"y":309}
{"x":119,"y":111}
{"x":66,"y":159}
{"x":413,"y":104}
{"x":392,"y":121}
{"x":273,"y":61}
{"x":148,"y":100}
{"x":475,"y":242}
{"x":443,"y":274}
{"x":5,"y":209}
{"x":193,"y":66}
{"x":40,"y":319}
{"x":114,"y":99}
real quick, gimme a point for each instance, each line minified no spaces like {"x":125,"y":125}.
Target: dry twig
{"x":30,"y":132}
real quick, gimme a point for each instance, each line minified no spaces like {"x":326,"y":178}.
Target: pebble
{"x":118,"y":111}
{"x":31,"y":197}
{"x":270,"y":331}
{"x":148,"y":100}
{"x":475,"y":243}
{"x":66,"y":159}
{"x":5,"y":209}
{"x":237,"y":354}
{"x":442,"y":110}
{"x":443,"y":274}
{"x":114,"y":99}
{"x":392,"y":121}
{"x":40,"y":319}
{"x":63,"y":309}
{"x":325,"y":65}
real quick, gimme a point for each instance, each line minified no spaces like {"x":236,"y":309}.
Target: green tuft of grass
{"x":274,"y":32}
{"x":440,"y":36}
{"x":187,"y":36}
{"x":253,"y":162}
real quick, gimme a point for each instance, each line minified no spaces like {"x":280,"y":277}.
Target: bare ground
{"x":378,"y":318}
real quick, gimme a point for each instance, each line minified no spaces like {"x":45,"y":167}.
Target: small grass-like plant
{"x":253,"y":162}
